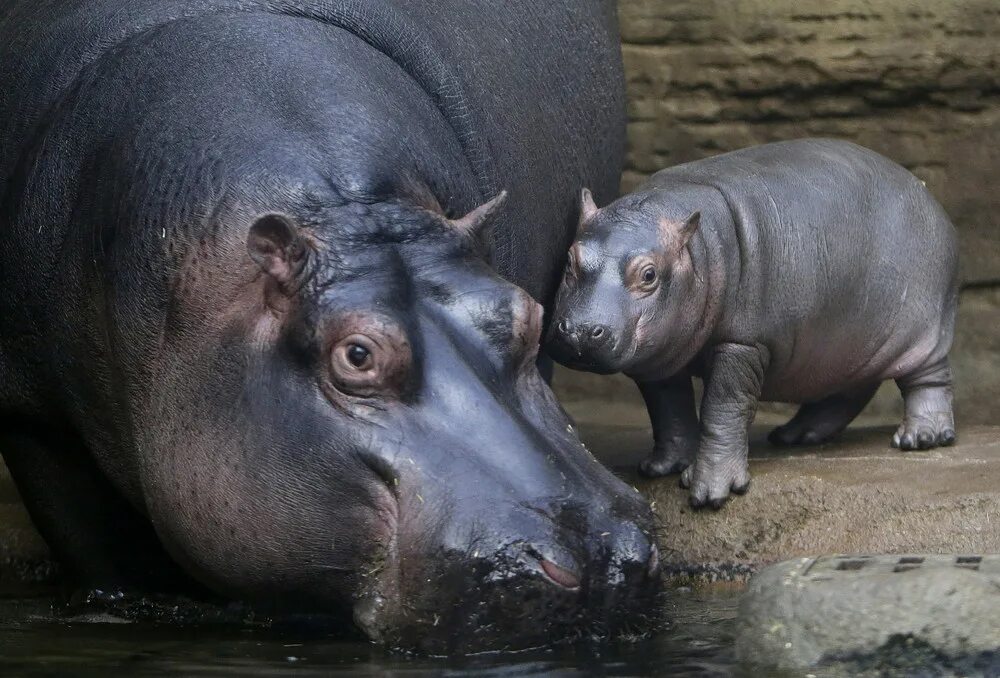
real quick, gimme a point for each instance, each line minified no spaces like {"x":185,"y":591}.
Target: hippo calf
{"x":269,"y":326}
{"x":805,"y":271}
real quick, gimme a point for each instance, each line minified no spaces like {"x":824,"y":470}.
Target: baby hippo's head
{"x":629,"y":300}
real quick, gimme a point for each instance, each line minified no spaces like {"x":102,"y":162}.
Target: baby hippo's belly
{"x":814,"y":363}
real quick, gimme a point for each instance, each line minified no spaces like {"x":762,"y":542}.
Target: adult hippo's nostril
{"x":564,"y":327}
{"x":560,"y":575}
{"x":597,"y":332}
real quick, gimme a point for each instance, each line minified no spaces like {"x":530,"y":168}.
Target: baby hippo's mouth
{"x":588,"y":366}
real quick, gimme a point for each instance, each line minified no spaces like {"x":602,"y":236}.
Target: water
{"x":35,"y":640}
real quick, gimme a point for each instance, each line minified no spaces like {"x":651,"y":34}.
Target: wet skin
{"x":806,"y":271}
{"x":249,"y":342}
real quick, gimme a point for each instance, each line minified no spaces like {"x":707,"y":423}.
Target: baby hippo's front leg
{"x":732,"y":387}
{"x":675,"y":425}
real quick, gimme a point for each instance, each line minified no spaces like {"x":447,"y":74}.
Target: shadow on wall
{"x":918,"y":81}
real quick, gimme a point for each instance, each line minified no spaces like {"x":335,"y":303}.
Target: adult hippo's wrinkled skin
{"x":804,"y":271}
{"x":247,"y":321}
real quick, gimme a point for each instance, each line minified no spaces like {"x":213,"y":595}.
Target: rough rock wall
{"x":918,"y":81}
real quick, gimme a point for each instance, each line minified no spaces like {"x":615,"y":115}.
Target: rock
{"x":811,"y":611}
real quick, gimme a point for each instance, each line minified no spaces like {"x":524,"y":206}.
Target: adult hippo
{"x":247,"y":316}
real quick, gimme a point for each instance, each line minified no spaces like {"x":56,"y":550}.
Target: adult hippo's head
{"x":372,"y":435}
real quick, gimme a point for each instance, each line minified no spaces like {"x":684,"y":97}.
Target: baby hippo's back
{"x":838,"y":261}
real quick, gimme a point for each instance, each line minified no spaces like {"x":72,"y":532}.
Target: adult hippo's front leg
{"x":732,"y":388}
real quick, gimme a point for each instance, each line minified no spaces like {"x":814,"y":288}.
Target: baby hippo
{"x":805,"y":271}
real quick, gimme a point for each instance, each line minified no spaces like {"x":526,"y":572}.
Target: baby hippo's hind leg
{"x":819,"y":421}
{"x":928,"y":420}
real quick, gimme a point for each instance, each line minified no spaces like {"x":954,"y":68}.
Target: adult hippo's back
{"x":239,"y":305}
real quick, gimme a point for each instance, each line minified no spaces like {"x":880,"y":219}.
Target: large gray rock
{"x":806,"y":612}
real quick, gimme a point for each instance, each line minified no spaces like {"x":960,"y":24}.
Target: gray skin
{"x":805,"y":271}
{"x":248,"y":340}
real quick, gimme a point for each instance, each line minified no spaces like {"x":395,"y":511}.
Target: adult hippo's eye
{"x":355,"y":355}
{"x":359,"y":356}
{"x":374,"y":363}
{"x":649,"y":275}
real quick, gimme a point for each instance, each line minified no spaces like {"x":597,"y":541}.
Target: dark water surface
{"x":35,"y":640}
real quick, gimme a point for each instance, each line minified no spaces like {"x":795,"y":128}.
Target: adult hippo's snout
{"x":532,"y":578}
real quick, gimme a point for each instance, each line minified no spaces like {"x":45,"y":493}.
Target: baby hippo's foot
{"x":928,"y":421}
{"x":820,"y":421}
{"x":791,"y":434}
{"x":926,"y":430}
{"x":665,"y":460}
{"x":711,"y":480}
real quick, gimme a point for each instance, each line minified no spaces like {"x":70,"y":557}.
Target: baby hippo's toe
{"x":711,"y":484}
{"x":667,"y":460}
{"x":924,"y":433}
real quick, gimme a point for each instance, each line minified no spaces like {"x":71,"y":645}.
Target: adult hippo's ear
{"x":276,"y":245}
{"x":476,"y":224}
{"x":588,"y":208}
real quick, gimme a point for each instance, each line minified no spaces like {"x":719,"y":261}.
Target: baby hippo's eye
{"x":642,"y":276}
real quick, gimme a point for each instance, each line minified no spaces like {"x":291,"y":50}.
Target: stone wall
{"x":918,"y":81}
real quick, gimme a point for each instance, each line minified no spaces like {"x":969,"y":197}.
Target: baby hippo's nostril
{"x":560,"y":575}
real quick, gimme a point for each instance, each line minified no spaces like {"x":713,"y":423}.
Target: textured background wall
{"x":916,"y":81}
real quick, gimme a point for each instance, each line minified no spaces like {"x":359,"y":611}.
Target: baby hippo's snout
{"x":587,"y":345}
{"x":585,"y":337}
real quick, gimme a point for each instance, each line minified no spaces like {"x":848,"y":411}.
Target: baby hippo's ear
{"x":276,"y":245}
{"x":676,"y":236}
{"x":689,"y":227}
